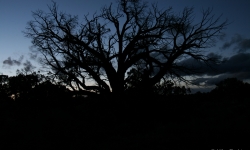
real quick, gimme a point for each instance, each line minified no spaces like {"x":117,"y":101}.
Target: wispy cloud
{"x":238,"y":42}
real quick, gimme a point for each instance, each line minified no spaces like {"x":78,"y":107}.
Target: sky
{"x":234,"y":46}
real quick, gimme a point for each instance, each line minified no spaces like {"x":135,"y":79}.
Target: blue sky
{"x":14,"y":15}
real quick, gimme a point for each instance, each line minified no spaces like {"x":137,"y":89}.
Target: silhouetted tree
{"x":4,"y":92}
{"x":231,"y":87}
{"x":21,"y":85}
{"x":33,"y":86}
{"x":47,"y":91}
{"x":102,"y":49}
{"x":165,"y":87}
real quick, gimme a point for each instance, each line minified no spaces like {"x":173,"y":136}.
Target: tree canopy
{"x":133,"y":34}
{"x":33,"y":86}
{"x":232,"y":87}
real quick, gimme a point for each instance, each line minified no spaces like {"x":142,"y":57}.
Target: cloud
{"x":12,"y":62}
{"x":240,"y":43}
{"x":236,"y":66}
{"x":196,"y":67}
{"x":244,"y":45}
{"x":33,"y":56}
{"x":208,"y":81}
{"x":237,"y":63}
{"x":28,"y":67}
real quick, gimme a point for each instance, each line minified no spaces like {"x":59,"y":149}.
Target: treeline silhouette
{"x":37,"y":114}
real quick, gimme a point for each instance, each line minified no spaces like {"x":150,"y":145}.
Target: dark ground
{"x":183,"y":122}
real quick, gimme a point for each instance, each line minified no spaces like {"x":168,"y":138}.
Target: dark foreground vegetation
{"x":146,"y":110}
{"x":219,"y":119}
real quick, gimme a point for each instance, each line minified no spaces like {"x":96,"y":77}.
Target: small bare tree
{"x":132,"y":34}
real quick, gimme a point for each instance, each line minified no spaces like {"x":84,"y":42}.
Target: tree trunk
{"x":117,"y":83}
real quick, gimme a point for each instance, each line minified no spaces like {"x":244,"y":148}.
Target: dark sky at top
{"x":234,"y":47}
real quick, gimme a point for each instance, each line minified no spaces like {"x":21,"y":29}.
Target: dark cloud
{"x":28,"y":67}
{"x":238,"y":75}
{"x":239,"y":43}
{"x":237,"y":63}
{"x":12,"y":62}
{"x":196,"y":67}
{"x":201,"y":89}
{"x":236,"y":66}
{"x":235,"y":39}
{"x":214,"y":80}
{"x":244,"y":45}
{"x":33,"y":56}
